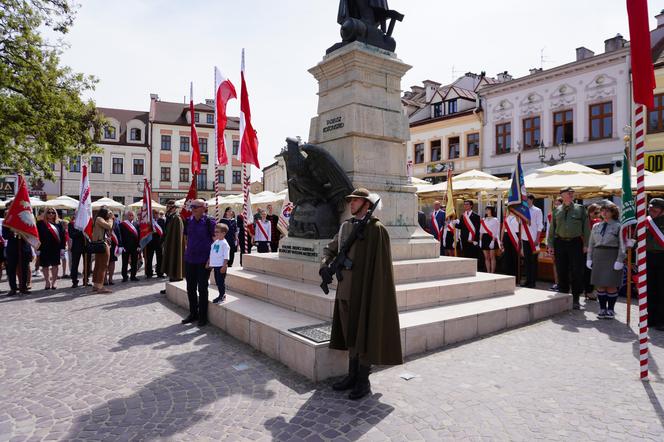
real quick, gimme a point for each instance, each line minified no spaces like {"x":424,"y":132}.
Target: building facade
{"x":655,"y":127}
{"x":582,"y":107}
{"x":170,"y":140}
{"x":274,"y":176}
{"x":445,"y":126}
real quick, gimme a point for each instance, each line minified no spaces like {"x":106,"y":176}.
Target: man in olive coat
{"x":366,"y":319}
{"x":173,"y":245}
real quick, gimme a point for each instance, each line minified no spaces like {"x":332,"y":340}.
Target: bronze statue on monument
{"x":366,"y":21}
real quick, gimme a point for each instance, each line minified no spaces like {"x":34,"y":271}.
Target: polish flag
{"x":146,"y":223}
{"x":83,"y":221}
{"x":224,"y":91}
{"x":191,"y":195}
{"x":195,"y":150}
{"x":19,"y":217}
{"x":248,"y":152}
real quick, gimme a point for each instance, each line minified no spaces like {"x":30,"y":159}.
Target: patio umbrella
{"x":139,"y":204}
{"x":655,"y":182}
{"x":63,"y":202}
{"x":615,"y":185}
{"x":472,"y":181}
{"x":111,"y":204}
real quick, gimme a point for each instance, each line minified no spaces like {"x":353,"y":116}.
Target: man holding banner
{"x":655,"y":263}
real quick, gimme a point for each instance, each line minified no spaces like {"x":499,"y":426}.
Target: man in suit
{"x":437,"y":224}
{"x":530,"y":239}
{"x":129,"y":238}
{"x":469,"y":226}
{"x":77,"y":249}
{"x":154,"y":246}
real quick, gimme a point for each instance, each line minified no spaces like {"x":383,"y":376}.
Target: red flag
{"x":195,"y":150}
{"x":643,"y":74}
{"x":191,"y":195}
{"x":19,"y":216}
{"x":146,"y":225}
{"x":224,"y":92}
{"x":83,"y":220}
{"x":248,"y":139}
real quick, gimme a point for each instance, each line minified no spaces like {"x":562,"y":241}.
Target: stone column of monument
{"x":362,"y":124}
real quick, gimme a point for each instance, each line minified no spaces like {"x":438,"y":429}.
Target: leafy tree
{"x":43,"y":119}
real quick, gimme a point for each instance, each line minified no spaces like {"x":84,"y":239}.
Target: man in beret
{"x":366,"y":319}
{"x":655,"y":263}
{"x":567,"y":242}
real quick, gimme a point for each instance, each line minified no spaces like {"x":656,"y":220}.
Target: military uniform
{"x":655,"y":266}
{"x":568,"y":236}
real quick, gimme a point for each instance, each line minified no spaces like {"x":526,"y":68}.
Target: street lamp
{"x":562,"y":153}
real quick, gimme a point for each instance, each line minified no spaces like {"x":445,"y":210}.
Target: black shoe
{"x":125,"y":279}
{"x":219,"y":299}
{"x":133,"y":278}
{"x":189,"y":319}
{"x":349,"y":381}
{"x":362,"y":385}
{"x":202,"y":322}
{"x":160,"y":276}
{"x":163,"y":292}
{"x":74,"y":284}
{"x":12,"y":293}
{"x":147,"y":277}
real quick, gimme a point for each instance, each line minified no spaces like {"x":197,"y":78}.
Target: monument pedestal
{"x":441,"y":300}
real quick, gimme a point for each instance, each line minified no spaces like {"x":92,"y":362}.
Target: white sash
{"x":434,"y":224}
{"x":656,"y":232}
{"x":54,"y":231}
{"x":472,"y":233}
{"x":131,"y":227}
{"x":259,"y":223}
{"x":157,"y":228}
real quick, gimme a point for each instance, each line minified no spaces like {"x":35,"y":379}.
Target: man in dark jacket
{"x":275,"y":234}
{"x":366,"y":319}
{"x":469,"y":227}
{"x":77,"y":249}
{"x":154,"y":247}
{"x":129,"y":238}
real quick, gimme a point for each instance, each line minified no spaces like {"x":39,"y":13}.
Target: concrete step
{"x":404,"y":271}
{"x":308,"y":298}
{"x":265,"y":326}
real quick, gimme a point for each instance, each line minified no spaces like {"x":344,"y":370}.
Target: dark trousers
{"x":76,"y":256}
{"x":588,"y":288}
{"x":220,"y":280}
{"x":126,"y":258}
{"x":150,"y":252}
{"x":509,"y":260}
{"x":12,"y":264}
{"x":655,"y":265}
{"x":263,"y":246}
{"x":197,"y":280}
{"x":570,"y":265}
{"x":231,"y":255}
{"x":471,"y":250}
{"x":274,"y":246}
{"x":530,"y":263}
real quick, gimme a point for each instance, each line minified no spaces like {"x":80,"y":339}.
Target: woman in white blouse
{"x":490,"y":237}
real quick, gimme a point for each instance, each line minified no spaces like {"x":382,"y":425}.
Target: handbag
{"x":97,"y":247}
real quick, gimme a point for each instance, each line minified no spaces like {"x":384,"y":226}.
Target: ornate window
{"x":563,"y":127}
{"x":503,"y":138}
{"x":531,"y":132}
{"x":601,"y":120}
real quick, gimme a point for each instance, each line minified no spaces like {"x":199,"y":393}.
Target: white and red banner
{"x":145,"y":221}
{"x":19,"y":217}
{"x":224,"y":92}
{"x":83,"y":221}
{"x":284,"y":216}
{"x":195,"y":149}
{"x":191,"y":195}
{"x":248,"y":152}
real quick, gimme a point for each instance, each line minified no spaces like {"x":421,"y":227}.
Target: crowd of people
{"x":65,"y":253}
{"x":587,"y":245}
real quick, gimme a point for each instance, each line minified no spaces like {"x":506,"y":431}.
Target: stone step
{"x":265,"y":326}
{"x":404,"y":271}
{"x":308,"y":298}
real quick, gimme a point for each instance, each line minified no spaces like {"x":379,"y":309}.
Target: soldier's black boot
{"x":349,"y":381}
{"x":362,"y":385}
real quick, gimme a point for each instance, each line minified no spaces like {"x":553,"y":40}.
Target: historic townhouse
{"x":171,"y":150}
{"x":655,"y":128}
{"x":445,"y":126}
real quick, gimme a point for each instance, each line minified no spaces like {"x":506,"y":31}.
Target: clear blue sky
{"x":140,"y":47}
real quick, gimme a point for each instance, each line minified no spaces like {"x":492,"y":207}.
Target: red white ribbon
{"x":470,"y":226}
{"x":54,"y":231}
{"x":131,"y":227}
{"x":514,"y":236}
{"x":655,"y":231}
{"x":434,"y":224}
{"x":259,"y":223}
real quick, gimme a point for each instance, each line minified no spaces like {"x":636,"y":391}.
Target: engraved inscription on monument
{"x":333,"y":124}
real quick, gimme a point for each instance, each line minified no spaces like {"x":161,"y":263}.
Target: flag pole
{"x":629,"y":285}
{"x":216,"y":153}
{"x":518,"y":254}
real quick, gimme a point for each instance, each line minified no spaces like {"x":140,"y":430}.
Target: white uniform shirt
{"x":536,"y":225}
{"x":267,"y":226}
{"x":219,"y":252}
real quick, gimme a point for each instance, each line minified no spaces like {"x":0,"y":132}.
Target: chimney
{"x":660,"y":18}
{"x":535,"y":70}
{"x":430,"y":88}
{"x":614,"y":44}
{"x":209,"y":102}
{"x":582,"y":53}
{"x":416,"y":89}
{"x":503,"y":77}
{"x":154,"y":97}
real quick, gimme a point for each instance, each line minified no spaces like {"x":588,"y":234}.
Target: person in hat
{"x":655,"y":263}
{"x":173,"y":244}
{"x":437,"y":225}
{"x":567,"y":242}
{"x":605,"y":258}
{"x":366,"y":319}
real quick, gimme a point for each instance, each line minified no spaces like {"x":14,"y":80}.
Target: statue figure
{"x":317,"y":186}
{"x":366,"y":21}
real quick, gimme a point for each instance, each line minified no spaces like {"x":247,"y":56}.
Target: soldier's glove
{"x":325,"y":274}
{"x":618,"y":265}
{"x":589,"y":264}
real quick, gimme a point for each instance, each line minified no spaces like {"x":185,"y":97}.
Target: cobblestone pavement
{"x":78,"y":366}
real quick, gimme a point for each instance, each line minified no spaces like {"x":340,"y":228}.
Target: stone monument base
{"x":441,"y":301}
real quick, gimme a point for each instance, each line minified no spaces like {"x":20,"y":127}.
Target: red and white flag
{"x":195,"y":150}
{"x":191,"y":195}
{"x":146,"y":225}
{"x":19,"y":216}
{"x":248,"y":152}
{"x":643,"y":73}
{"x":83,"y":221}
{"x":224,"y":91}
{"x":284,"y":216}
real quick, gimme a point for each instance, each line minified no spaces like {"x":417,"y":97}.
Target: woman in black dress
{"x":52,"y":247}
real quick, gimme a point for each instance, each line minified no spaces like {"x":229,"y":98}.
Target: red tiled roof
{"x":176,"y":113}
